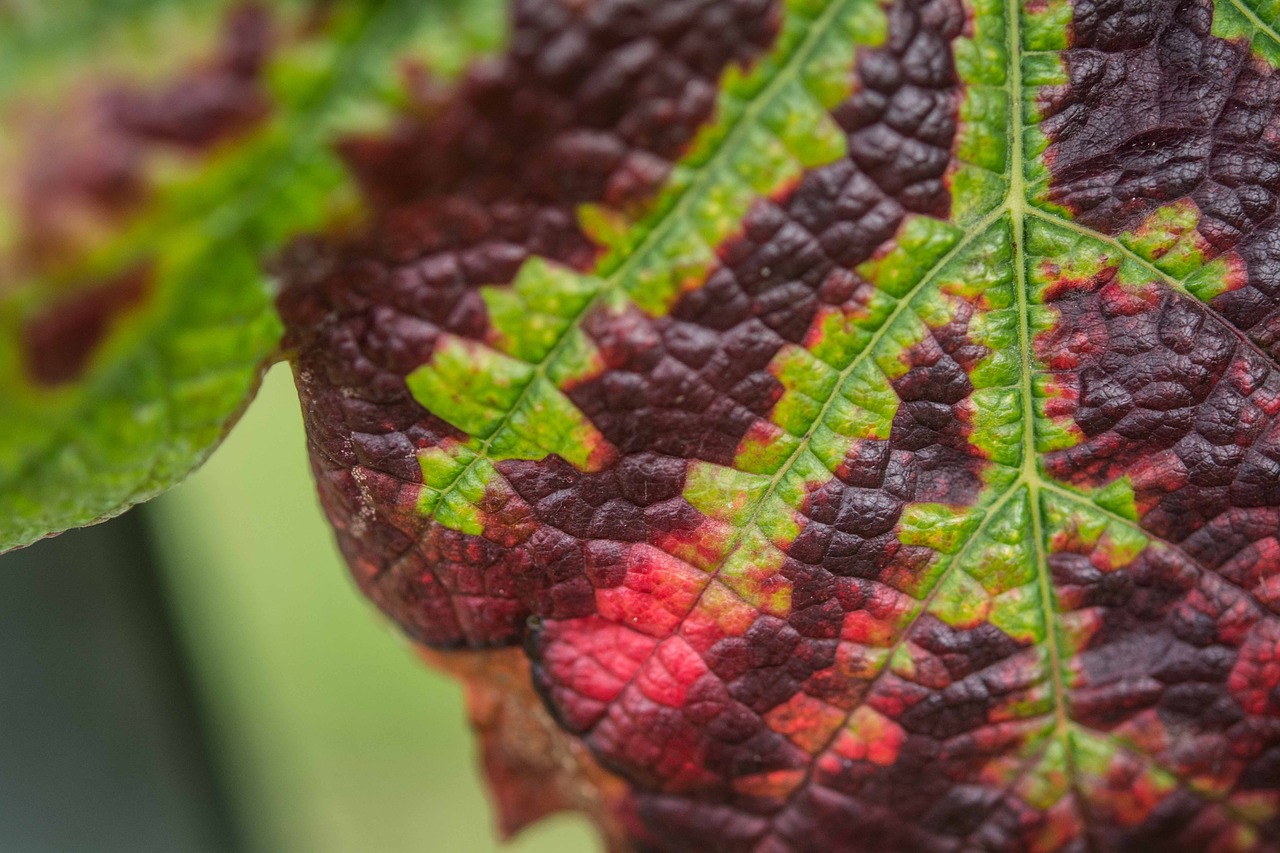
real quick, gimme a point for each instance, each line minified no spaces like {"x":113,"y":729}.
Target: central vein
{"x":1016,"y":204}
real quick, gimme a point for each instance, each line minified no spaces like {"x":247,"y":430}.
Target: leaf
{"x":865,"y":417}
{"x":856,"y":421}
{"x":855,"y":477}
{"x":162,"y":152}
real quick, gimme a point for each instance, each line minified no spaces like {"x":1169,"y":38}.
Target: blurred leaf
{"x":135,"y":316}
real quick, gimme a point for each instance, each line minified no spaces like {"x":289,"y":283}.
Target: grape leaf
{"x":864,"y":416}
{"x":160,"y":153}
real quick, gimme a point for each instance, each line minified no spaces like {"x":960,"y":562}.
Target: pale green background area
{"x":331,"y":735}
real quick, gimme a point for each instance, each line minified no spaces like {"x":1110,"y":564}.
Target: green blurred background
{"x":233,"y":693}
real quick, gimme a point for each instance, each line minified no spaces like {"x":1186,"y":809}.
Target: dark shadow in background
{"x":102,"y":746}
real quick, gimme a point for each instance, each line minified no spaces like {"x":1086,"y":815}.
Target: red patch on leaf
{"x":84,"y":167}
{"x":59,"y":342}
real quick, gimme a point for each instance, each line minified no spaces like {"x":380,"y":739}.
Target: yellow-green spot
{"x":604,"y":226}
{"x":1073,"y":518}
{"x":489,"y":395}
{"x":1118,"y":497}
{"x":1046,"y":24}
{"x":975,"y":191}
{"x":453,"y":512}
{"x":1019,"y":612}
{"x":982,"y":60}
{"x":828,"y":446}
{"x":942,"y":527}
{"x":546,"y":422}
{"x":1115,"y":537}
{"x":864,"y":406}
{"x":753,"y":572}
{"x":724,"y":493}
{"x":1049,"y":780}
{"x":765,"y":449}
{"x":842,"y":334}
{"x":979,"y":181}
{"x":804,"y":127}
{"x":1214,"y":279}
{"x":442,"y":464}
{"x":531,"y":314}
{"x":1169,"y":239}
{"x":777,"y":520}
{"x":458,"y":507}
{"x":961,"y":601}
{"x":1122,"y":543}
{"x":1002,"y":558}
{"x":1093,"y":755}
{"x":919,"y":245}
{"x":807,"y":382}
{"x":997,"y":426}
{"x":1057,"y":253}
{"x":719,"y":211}
{"x":578,"y":359}
{"x":1229,"y":22}
{"x":469,"y":385}
{"x":1267,"y":48}
{"x":1040,"y":71}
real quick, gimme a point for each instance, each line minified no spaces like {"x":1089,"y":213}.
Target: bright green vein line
{"x":1255,"y":20}
{"x":1018,"y":208}
{"x":848,"y":371}
{"x":669,"y":220}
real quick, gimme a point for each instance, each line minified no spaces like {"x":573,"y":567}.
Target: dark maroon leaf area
{"x":1158,"y":109}
{"x":1171,"y":396}
{"x":1180,"y":397}
{"x":488,"y":179}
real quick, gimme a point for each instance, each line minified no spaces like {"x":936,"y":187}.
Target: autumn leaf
{"x":863,"y":416}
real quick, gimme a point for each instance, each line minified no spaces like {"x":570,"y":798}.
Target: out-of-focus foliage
{"x":155,"y":156}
